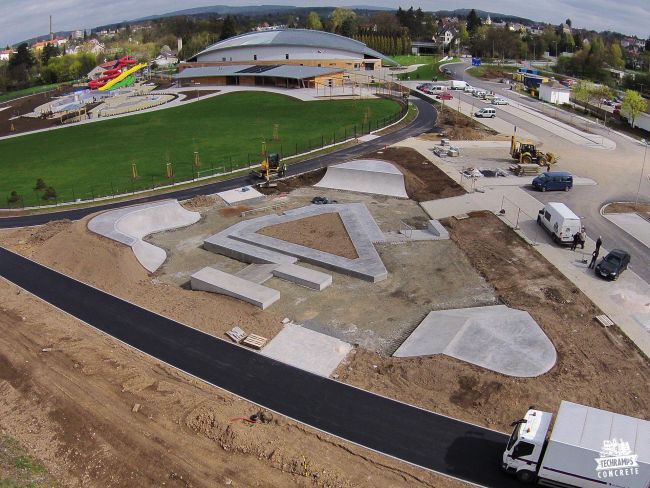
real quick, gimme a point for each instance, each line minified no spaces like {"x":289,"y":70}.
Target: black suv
{"x":613,"y":264}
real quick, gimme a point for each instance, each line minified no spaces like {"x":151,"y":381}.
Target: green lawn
{"x":227,"y":131}
{"x":408,"y":59}
{"x":428,"y":71}
{"x":5,"y":97}
{"x":480,"y":71}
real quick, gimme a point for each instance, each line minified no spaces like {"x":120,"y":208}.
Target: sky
{"x":24,"y":19}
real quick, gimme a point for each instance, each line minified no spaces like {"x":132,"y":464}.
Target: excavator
{"x":528,"y":153}
{"x":270,"y":168}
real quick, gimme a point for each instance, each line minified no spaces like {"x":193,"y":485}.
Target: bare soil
{"x":424,"y":181}
{"x":192,"y":94}
{"x":456,"y":126}
{"x":26,"y":105}
{"x":322,"y":232}
{"x":100,"y":414}
{"x":19,"y":469}
{"x":288,"y":184}
{"x":596,"y":366}
{"x":641,"y":209}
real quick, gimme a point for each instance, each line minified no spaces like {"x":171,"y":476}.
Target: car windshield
{"x":613,"y":259}
{"x":514,"y":436}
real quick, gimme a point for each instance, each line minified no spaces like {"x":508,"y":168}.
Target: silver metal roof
{"x":295,"y":37}
{"x":292,"y":72}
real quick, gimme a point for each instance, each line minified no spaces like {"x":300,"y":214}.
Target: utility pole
{"x":51,"y":33}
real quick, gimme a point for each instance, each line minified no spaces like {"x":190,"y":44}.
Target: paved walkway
{"x":626,"y":301}
{"x":633,"y":224}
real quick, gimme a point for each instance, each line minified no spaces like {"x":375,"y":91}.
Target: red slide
{"x":111,"y":73}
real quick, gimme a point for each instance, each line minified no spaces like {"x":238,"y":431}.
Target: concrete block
{"x":306,"y":277}
{"x":215,"y":281}
{"x":437,"y":229}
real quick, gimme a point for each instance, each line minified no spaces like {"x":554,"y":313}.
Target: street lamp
{"x":645,"y":152}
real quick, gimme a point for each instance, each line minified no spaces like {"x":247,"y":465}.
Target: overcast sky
{"x":23,"y":19}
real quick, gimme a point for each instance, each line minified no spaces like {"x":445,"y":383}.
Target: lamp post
{"x":638,"y":190}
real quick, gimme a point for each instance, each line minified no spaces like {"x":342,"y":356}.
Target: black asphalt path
{"x":417,"y":436}
{"x":423,"y":122}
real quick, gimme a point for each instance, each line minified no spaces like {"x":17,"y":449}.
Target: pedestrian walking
{"x":594,"y":257}
{"x":576,"y":239}
{"x":583,"y":238}
{"x":599,"y":242}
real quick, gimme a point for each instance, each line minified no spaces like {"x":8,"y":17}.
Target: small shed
{"x":556,"y":94}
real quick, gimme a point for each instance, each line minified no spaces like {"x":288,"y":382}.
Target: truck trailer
{"x":587,"y":448}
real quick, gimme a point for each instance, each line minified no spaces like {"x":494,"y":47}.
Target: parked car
{"x":444,"y":96}
{"x":486,"y":112}
{"x":499,"y":101}
{"x":559,"y":221}
{"x":613,"y":264}
{"x":469,"y":89}
{"x":479,"y":93}
{"x":553,"y":180}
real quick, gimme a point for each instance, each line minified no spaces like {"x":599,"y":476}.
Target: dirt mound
{"x":233,"y":211}
{"x":323,"y":232}
{"x":199,"y":201}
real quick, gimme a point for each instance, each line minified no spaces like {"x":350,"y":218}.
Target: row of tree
{"x":592,"y":94}
{"x":389,"y":45}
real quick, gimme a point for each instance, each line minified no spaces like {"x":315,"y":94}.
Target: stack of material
{"x":526,"y":169}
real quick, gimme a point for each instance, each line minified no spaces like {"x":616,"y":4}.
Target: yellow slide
{"x":119,"y":78}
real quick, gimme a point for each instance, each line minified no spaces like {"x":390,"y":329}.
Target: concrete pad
{"x":257,"y":273}
{"x":633,"y":224}
{"x":238,"y":195}
{"x":498,"y":338}
{"x":306,"y":277}
{"x":215,"y":281}
{"x":308,"y":350}
{"x":130,"y":225}
{"x":365,"y":176}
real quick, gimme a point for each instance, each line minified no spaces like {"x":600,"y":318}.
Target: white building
{"x":555,"y":94}
{"x":5,"y":54}
{"x":78,"y":34}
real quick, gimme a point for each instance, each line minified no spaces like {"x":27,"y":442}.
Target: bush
{"x":13,"y":197}
{"x":40,"y":185}
{"x":49,"y":193}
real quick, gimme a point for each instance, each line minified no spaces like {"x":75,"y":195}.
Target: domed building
{"x":291,"y":57}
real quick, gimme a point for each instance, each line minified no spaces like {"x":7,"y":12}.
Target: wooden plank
{"x":255,"y":341}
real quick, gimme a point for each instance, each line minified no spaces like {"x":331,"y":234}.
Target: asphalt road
{"x":423,"y":122}
{"x":408,"y":433}
{"x":586,"y":201}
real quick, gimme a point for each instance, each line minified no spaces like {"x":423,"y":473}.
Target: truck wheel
{"x":567,"y":188}
{"x":525,"y":476}
{"x":543,"y":188}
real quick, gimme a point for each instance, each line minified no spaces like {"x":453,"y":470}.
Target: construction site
{"x":460,"y":315}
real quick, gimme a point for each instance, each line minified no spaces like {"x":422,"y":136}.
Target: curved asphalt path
{"x":429,"y":440}
{"x":423,"y":122}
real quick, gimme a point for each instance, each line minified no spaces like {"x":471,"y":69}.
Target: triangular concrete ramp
{"x":365,"y":176}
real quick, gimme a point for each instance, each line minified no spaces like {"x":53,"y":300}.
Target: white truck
{"x":587,"y":448}
{"x":457,"y":84}
{"x":559,"y":221}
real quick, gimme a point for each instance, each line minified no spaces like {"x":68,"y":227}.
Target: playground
{"x":96,"y":159}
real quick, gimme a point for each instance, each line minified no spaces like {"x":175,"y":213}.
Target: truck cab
{"x":526,"y":445}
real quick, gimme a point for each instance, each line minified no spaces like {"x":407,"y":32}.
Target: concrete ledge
{"x":306,"y":277}
{"x":215,"y":281}
{"x":437,"y":229}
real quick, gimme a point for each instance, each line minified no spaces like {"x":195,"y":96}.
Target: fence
{"x":187,"y":171}
{"x":520,"y":220}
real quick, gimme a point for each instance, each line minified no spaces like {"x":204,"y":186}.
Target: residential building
{"x":5,"y":54}
{"x":445,"y":36}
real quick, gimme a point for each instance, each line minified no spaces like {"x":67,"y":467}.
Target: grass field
{"x":5,"y":97}
{"x":408,"y":60}
{"x":428,"y":71}
{"x":91,"y":160}
{"x":491,"y":71}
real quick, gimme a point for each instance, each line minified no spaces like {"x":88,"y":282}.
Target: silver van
{"x":486,"y":112}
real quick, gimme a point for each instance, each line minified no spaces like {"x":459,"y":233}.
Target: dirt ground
{"x":456,"y":126}
{"x":192,"y":94}
{"x":26,"y":105}
{"x":18,"y":469}
{"x":641,"y":209}
{"x":322,"y":232}
{"x":100,"y":414}
{"x":596,"y":366}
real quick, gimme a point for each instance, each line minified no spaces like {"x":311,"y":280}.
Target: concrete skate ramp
{"x":499,"y":338}
{"x":365,"y":176}
{"x":131,"y":224}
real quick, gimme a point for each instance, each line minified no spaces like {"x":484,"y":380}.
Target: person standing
{"x":576,"y":239}
{"x":599,"y":242}
{"x":583,"y":238}
{"x":594,"y":257}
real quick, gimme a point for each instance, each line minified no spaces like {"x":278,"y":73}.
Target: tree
{"x":615,"y":56}
{"x":228,"y":29}
{"x":40,"y":185}
{"x":49,"y":193}
{"x":291,"y":22}
{"x":313,"y":21}
{"x":22,"y":57}
{"x":633,"y":104}
{"x":348,"y":27}
{"x":473,"y":21}
{"x":339,"y":16}
{"x":49,"y":51}
{"x":13,"y":197}
{"x":568,"y":23}
{"x":580,"y":92}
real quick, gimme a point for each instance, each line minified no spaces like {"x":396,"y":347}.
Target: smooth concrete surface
{"x":130,"y":225}
{"x":365,"y":176}
{"x":309,"y":278}
{"x":215,"y":281}
{"x":306,"y":349}
{"x":633,"y":224}
{"x":237,"y":195}
{"x":498,"y":338}
{"x":257,"y":273}
{"x":242,"y":242}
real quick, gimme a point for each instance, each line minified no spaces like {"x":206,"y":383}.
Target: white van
{"x":437,"y":88}
{"x":457,"y":85}
{"x":486,"y":112}
{"x":559,"y":221}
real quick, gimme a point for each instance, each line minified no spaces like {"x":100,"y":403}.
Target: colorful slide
{"x":114,"y":70}
{"x":110,"y":84}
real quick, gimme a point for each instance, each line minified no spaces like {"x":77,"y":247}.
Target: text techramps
{"x":411,"y":434}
